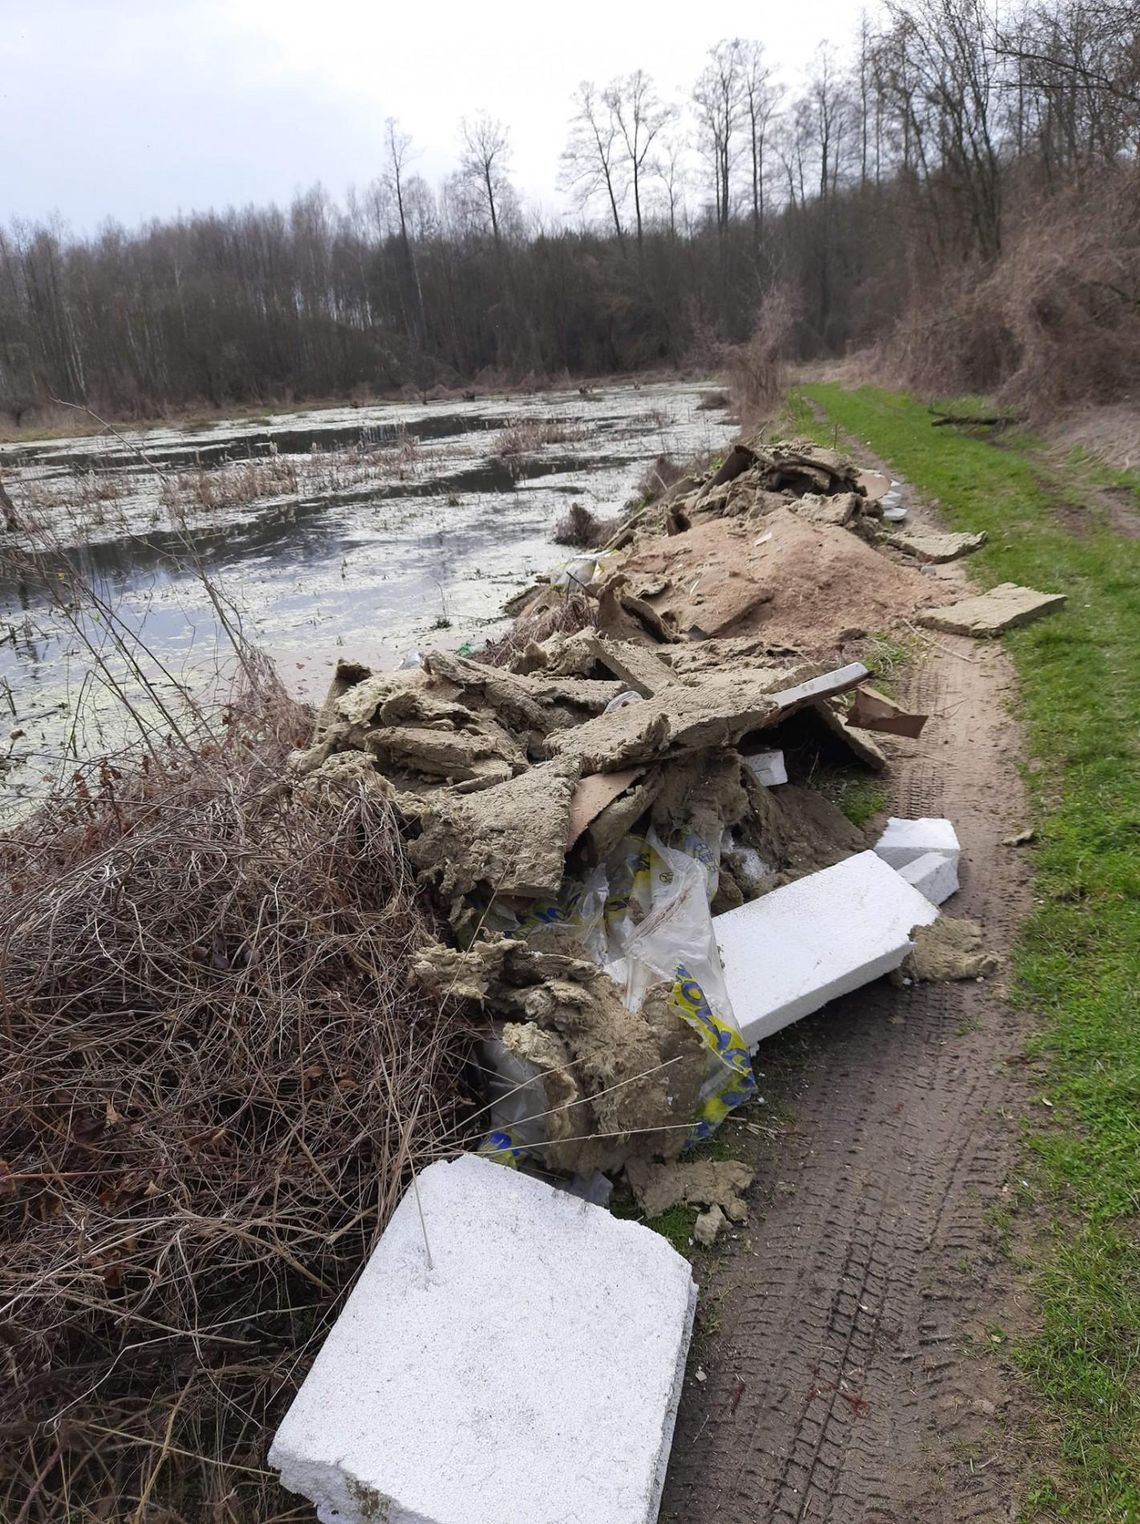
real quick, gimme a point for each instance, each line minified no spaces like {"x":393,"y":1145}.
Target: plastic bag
{"x":518,"y":1105}
{"x":582,"y":571}
{"x":643,"y":916}
{"x":675,"y":940}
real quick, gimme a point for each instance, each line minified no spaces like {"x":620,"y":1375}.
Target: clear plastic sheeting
{"x":643,"y":916}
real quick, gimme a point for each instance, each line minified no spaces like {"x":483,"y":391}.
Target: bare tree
{"x":717,"y":100}
{"x":760,"y":97}
{"x":399,"y":146}
{"x":640,"y":117}
{"x":591,"y":162}
{"x":951,"y":45}
{"x":827,"y":101}
{"x":671,"y":170}
{"x":486,"y":154}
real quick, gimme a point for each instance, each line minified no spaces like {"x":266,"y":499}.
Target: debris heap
{"x":635,"y":895}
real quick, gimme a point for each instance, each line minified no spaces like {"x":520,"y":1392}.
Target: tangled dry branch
{"x":214,"y":1080}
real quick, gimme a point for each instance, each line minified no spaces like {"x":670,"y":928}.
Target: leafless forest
{"x":959,"y":193}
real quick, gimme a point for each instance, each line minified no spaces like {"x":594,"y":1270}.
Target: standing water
{"x":362,"y":532}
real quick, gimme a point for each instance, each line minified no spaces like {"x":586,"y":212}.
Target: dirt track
{"x":835,"y":1335}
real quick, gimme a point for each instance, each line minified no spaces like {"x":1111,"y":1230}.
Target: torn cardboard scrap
{"x":872,"y":710}
{"x":594,"y":794}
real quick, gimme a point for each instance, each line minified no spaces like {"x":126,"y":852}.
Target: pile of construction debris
{"x":614,"y":816}
{"x":788,"y":544}
{"x":605,"y":818}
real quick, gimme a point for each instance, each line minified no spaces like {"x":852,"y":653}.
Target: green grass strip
{"x":1077,"y":962}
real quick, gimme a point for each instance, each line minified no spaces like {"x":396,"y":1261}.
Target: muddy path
{"x":846,"y":1334}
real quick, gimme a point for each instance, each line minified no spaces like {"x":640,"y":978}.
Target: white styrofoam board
{"x":531,"y":1375}
{"x":904,"y":840}
{"x":791,"y":951}
{"x":934,"y":874}
{"x":768,"y":766}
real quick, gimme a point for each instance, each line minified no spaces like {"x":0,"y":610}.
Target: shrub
{"x":580,"y":528}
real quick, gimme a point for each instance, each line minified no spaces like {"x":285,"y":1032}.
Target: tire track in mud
{"x":839,"y":1386}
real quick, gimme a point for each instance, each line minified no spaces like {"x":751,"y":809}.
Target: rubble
{"x":950,"y":948}
{"x":706,"y":1183}
{"x":707,"y":1228}
{"x":714,"y":713}
{"x":792,"y":581}
{"x":838,"y":510}
{"x":1002,"y":608}
{"x":486,"y":1281}
{"x":637,"y":667}
{"x":508,"y":839}
{"x":934,"y":548}
{"x":594,"y":810}
{"x":624,"y":1079}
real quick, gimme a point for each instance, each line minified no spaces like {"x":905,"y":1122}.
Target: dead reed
{"x":524,"y":436}
{"x":214,"y":1080}
{"x":582,"y":529}
{"x":555,"y":614}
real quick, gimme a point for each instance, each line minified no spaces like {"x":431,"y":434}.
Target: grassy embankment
{"x":1077,"y":963}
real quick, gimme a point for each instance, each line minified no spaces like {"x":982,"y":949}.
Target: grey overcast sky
{"x":132,"y":109}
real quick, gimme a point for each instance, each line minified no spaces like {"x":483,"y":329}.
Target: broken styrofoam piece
{"x":527,"y":1369}
{"x":751,"y":866}
{"x":791,"y":951}
{"x":893,"y":510}
{"x":904,"y":840}
{"x":934,"y":874}
{"x":767,"y":767}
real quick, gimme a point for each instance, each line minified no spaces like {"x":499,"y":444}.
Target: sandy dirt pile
{"x":782,"y":542}
{"x":794,"y":581}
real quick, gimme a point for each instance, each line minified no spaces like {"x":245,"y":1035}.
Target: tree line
{"x":903,"y":166}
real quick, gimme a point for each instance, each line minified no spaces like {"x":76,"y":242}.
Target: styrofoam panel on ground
{"x":934,"y":874}
{"x":531,"y":1375}
{"x":791,"y":951}
{"x":904,"y":840}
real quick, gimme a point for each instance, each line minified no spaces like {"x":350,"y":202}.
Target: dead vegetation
{"x":658,"y":477}
{"x":210,"y":490}
{"x":582,"y":529}
{"x":213,"y":489}
{"x":563,"y":616}
{"x":756,"y":370}
{"x":79,"y":496}
{"x":1054,"y":325}
{"x":525,"y":436}
{"x":215,"y":1079}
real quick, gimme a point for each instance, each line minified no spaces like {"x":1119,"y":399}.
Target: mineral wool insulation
{"x":529,"y":1375}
